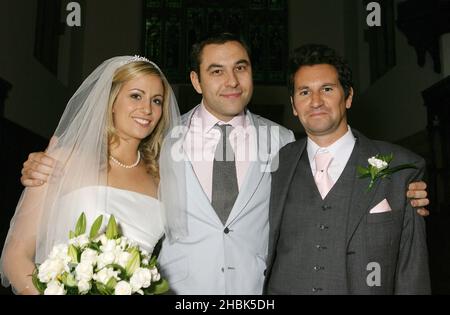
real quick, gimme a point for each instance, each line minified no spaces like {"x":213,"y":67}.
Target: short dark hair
{"x":217,"y":39}
{"x":313,"y":54}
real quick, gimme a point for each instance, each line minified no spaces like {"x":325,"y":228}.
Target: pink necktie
{"x":322,"y":178}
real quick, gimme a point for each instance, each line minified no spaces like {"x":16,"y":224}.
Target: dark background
{"x":401,"y":71}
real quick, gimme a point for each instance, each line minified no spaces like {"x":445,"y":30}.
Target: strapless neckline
{"x":130,"y":191}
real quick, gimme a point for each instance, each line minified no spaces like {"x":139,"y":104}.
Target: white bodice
{"x":139,"y":216}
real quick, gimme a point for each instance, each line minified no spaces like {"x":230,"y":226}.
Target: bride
{"x":106,"y":150}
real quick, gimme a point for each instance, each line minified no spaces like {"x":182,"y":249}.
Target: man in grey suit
{"x":329,"y":232}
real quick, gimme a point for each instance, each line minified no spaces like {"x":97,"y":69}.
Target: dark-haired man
{"x":332,"y":232}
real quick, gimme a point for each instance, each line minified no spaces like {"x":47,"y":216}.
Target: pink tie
{"x":322,"y":178}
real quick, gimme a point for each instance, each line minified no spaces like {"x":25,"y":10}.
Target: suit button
{"x":326,"y":207}
{"x":319,"y":247}
{"x":226,"y":231}
{"x":318,"y":268}
{"x":223,"y":269}
{"x":316,"y":290}
{"x":323,"y":227}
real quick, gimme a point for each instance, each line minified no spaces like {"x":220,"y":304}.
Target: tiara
{"x":136,"y":58}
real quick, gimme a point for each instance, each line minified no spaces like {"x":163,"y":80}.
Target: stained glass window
{"x":172,"y":26}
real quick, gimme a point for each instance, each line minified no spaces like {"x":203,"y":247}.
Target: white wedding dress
{"x":139,"y":216}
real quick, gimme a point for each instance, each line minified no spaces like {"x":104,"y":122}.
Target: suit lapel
{"x":197,"y":188}
{"x":257,"y":169}
{"x":281,"y":190}
{"x":361,"y":198}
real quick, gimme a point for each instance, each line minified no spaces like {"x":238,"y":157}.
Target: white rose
{"x":122,"y":258}
{"x":89,"y":256}
{"x":122,"y":288}
{"x":102,"y":239}
{"x":141,"y":278}
{"x":105,"y":274}
{"x":123,"y":242}
{"x":378,"y":164}
{"x":55,"y":288}
{"x":50,"y":269}
{"x":132,"y":243}
{"x":155,"y":274}
{"x":84,"y":271}
{"x":145,"y":261}
{"x":80,"y":241}
{"x":144,"y":253}
{"x":109,"y":246}
{"x":105,"y":259}
{"x":60,"y":252}
{"x":84,"y":286}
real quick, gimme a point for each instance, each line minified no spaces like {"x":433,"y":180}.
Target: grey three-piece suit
{"x":336,"y":246}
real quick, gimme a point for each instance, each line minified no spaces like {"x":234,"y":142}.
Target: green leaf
{"x":373,"y":172}
{"x":160,"y":287}
{"x":112,"y":229}
{"x":153,"y":262}
{"x":363,"y":172}
{"x":81,"y":225}
{"x":68,"y":280}
{"x":73,"y":253}
{"x":103,"y":289}
{"x":72,"y":290}
{"x":388,"y":158}
{"x":71,"y":235}
{"x":112,"y":282}
{"x":132,"y":249}
{"x":133,"y":263}
{"x":123,"y":273}
{"x":96,"y":227}
{"x":372,"y":182}
{"x":95,"y":246}
{"x":36,"y":282}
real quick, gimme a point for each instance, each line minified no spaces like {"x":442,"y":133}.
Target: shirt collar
{"x":208,"y":120}
{"x":347,"y":139}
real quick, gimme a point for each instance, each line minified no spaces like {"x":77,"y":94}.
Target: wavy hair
{"x":149,"y":147}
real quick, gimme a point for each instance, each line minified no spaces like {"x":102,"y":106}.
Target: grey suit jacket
{"x":396,"y":238}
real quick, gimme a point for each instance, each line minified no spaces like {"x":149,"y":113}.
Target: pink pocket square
{"x":381,"y":207}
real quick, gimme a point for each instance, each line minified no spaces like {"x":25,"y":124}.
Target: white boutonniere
{"x":379,"y":168}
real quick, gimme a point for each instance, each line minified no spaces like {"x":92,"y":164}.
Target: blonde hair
{"x":149,"y":147}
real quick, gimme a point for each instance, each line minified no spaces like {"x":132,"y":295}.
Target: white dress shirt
{"x":202,"y":139}
{"x":340,"y":150}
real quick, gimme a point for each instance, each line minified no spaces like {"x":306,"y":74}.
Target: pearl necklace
{"x":126,"y":166}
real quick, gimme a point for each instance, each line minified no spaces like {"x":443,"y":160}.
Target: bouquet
{"x":106,"y":264}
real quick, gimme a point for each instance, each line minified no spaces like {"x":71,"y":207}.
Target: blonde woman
{"x":106,"y":161}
